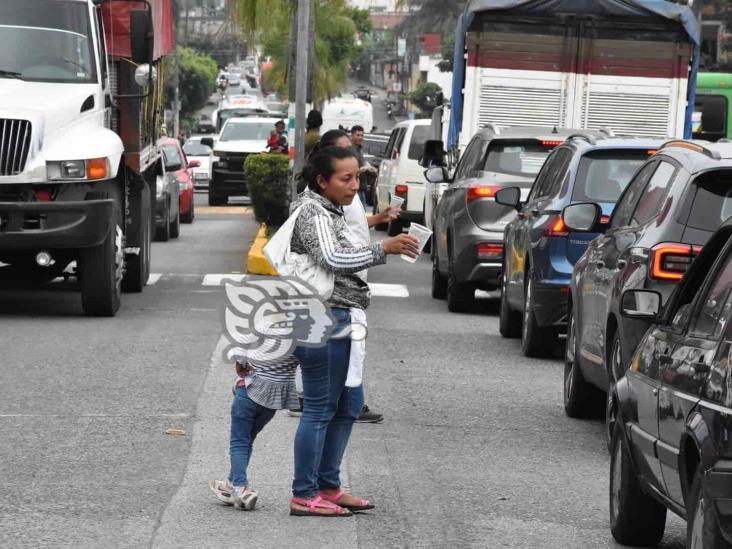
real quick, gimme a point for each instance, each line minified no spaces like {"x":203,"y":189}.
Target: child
{"x":262,"y":387}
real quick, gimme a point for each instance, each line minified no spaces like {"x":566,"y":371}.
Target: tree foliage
{"x":196,"y":79}
{"x":424,"y":96}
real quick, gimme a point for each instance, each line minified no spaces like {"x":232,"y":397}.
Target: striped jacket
{"x":327,"y":240}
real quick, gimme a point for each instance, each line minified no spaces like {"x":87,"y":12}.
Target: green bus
{"x":712,"y":118}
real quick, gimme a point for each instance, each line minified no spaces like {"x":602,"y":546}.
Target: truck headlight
{"x":91,"y":169}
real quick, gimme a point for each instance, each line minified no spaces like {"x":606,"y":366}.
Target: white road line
{"x":217,"y":279}
{"x":154,"y":277}
{"x":388,"y":290}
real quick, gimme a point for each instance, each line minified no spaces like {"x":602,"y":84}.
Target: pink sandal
{"x":362,"y":505}
{"x":318,"y":502}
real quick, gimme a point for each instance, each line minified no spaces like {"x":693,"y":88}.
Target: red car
{"x":174,"y":153}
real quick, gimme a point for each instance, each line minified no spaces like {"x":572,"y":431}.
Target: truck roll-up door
{"x":519,"y":77}
{"x":631,"y":80}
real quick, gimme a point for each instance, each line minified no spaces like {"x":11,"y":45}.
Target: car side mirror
{"x":510,"y":196}
{"x":194,"y":163}
{"x":582,"y":217}
{"x":142,"y":36}
{"x":436,"y":175}
{"x":641,"y":304}
{"x":208,"y":142}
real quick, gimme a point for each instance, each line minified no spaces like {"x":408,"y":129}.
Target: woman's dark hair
{"x":329,"y":139}
{"x":314,"y":120}
{"x":322,"y":163}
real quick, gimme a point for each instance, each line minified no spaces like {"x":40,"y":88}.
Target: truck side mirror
{"x":142,"y":36}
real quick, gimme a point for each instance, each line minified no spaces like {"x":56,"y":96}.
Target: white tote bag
{"x":300,"y":266}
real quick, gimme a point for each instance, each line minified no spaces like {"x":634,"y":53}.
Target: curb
{"x":256,"y":261}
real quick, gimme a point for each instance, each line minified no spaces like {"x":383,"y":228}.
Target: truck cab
{"x":77,"y":145}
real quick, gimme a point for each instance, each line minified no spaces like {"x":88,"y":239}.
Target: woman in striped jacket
{"x":330,"y":408}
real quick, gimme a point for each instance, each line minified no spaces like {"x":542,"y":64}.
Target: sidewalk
{"x":194,"y":518}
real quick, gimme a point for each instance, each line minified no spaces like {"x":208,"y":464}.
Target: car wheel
{"x":635,"y":517}
{"x":459,"y":295}
{"x":535,"y":340}
{"x":509,"y":322}
{"x":611,"y":405}
{"x":189,"y":215}
{"x":439,"y":281}
{"x":396,"y":227}
{"x":162,"y":232}
{"x":175,"y":225}
{"x":702,"y":528}
{"x":580,"y":398}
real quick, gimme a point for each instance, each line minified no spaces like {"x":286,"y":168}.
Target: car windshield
{"x":420,"y":134}
{"x":171,"y":154}
{"x":712,"y":201}
{"x":250,"y":131}
{"x":46,"y":41}
{"x":525,"y":159}
{"x":194,"y":148}
{"x":602,"y":176}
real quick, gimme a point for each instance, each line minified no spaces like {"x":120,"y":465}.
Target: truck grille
{"x":235,"y":161}
{"x":15,"y":137}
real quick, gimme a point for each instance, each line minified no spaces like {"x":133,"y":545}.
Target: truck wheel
{"x":635,"y":517}
{"x":100,"y":270}
{"x":175,"y":225}
{"x":162,"y":233}
{"x":137,"y":267}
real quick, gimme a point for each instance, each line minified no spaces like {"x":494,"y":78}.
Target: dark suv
{"x":540,"y":250}
{"x":671,"y":445}
{"x":467,"y":222}
{"x":673,"y":205}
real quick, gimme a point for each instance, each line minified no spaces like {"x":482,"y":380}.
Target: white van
{"x":346,"y":113}
{"x":400,"y":173}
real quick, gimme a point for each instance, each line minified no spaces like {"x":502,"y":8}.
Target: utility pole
{"x":301,"y":87}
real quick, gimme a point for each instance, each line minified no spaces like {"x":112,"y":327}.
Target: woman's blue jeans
{"x":329,"y":411}
{"x":247,"y":419}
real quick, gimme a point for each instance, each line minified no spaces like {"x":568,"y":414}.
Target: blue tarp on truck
{"x":596,"y":9}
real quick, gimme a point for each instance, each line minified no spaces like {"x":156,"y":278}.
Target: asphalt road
{"x":475,"y":450}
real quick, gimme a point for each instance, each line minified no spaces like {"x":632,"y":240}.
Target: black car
{"x":539,"y":250}
{"x":672,"y":441}
{"x":669,"y":210}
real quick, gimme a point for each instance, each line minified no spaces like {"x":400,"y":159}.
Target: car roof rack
{"x":586,"y":137}
{"x":692,"y":146}
{"x":492,"y":127}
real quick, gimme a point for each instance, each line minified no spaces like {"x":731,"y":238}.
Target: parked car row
{"x":174,"y":193}
{"x":613,"y":243}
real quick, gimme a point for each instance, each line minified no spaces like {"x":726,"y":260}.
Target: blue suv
{"x":539,"y":250}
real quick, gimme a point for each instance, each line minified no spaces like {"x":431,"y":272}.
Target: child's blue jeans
{"x":247,"y":419}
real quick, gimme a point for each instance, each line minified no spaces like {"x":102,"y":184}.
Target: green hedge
{"x":268,"y":181}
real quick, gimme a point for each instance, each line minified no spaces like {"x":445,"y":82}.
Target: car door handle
{"x":622,"y":264}
{"x":701,"y":367}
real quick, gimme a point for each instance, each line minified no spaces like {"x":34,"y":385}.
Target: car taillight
{"x":556,"y":227}
{"x":551,"y":143}
{"x":481,"y":191}
{"x":401,"y":190}
{"x":490,"y":250}
{"x":669,"y":261}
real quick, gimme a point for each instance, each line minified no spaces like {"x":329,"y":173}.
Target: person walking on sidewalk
{"x":331,"y":408}
{"x":262,"y":387}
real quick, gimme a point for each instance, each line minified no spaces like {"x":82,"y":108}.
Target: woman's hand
{"x":402,"y":244}
{"x":384,"y":217}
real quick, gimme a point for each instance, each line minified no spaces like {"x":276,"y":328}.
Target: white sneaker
{"x":222,"y":490}
{"x":244,"y":498}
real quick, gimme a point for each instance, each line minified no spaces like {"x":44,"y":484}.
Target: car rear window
{"x":710,"y":117}
{"x":516,"y":158}
{"x":420,"y":134}
{"x":712,"y":202}
{"x":603,"y":175}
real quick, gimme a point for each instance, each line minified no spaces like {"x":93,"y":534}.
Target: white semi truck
{"x":80,"y":113}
